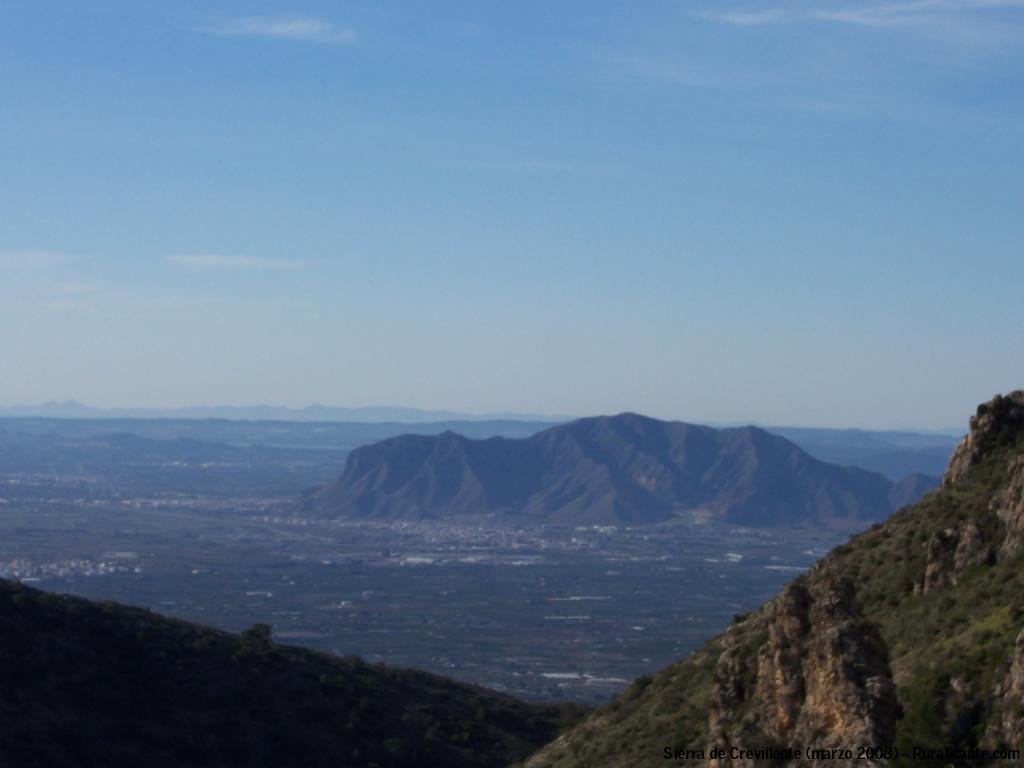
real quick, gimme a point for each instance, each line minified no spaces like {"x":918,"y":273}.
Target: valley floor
{"x":543,"y":614}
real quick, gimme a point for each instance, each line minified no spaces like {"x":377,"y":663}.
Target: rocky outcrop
{"x":952,"y":551}
{"x":998,"y":422}
{"x":1009,"y":506}
{"x":1001,"y":419}
{"x":1006,"y":727}
{"x":821,"y":677}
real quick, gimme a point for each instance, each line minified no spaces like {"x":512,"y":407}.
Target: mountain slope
{"x":604,"y":470}
{"x":893,"y":454}
{"x":911,"y":488}
{"x":90,"y":684}
{"x":908,"y":636}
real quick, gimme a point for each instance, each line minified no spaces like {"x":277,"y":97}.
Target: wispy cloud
{"x":886,"y":14}
{"x":827,"y":71}
{"x":301,"y":28}
{"x":900,"y":14}
{"x":50,"y":305}
{"x":675,"y":70}
{"x":32,"y":280}
{"x":245,"y":263}
{"x":744,"y":18}
{"x":73,"y":288}
{"x":20,"y":260}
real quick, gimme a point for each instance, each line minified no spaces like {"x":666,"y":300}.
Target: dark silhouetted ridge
{"x":96,"y":684}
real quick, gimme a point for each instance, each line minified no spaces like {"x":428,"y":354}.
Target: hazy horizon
{"x":770,"y":212}
{"x":378,"y":413}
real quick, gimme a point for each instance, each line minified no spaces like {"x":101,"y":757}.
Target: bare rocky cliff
{"x":1007,"y":724}
{"x":821,"y":677}
{"x":1009,"y":507}
{"x":950,"y":552}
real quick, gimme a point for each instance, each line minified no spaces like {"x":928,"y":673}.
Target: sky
{"x":806,"y":213}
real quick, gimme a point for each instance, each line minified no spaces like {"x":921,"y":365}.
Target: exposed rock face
{"x":821,"y":678}
{"x":999,"y":419}
{"x":1007,"y":726}
{"x":1009,"y":506}
{"x":951,"y":552}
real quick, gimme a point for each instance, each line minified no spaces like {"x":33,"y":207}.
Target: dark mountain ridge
{"x":625,"y":469}
{"x":98,"y":684}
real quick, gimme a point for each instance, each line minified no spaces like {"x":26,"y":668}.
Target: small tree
{"x":256,"y":639}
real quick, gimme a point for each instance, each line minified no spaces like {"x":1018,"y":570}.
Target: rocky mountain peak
{"x":997,"y":422}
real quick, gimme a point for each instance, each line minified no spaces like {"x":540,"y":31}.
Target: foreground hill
{"x":911,"y":636}
{"x":97,"y":684}
{"x":624,"y":469}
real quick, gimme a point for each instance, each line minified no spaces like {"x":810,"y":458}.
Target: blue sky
{"x":782,"y":212}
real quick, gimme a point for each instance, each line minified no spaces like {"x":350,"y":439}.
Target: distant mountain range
{"x":894,"y":454}
{"x":72,"y":409}
{"x":625,"y":469}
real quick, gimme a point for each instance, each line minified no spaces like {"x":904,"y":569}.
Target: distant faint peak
{"x":262,"y":412}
